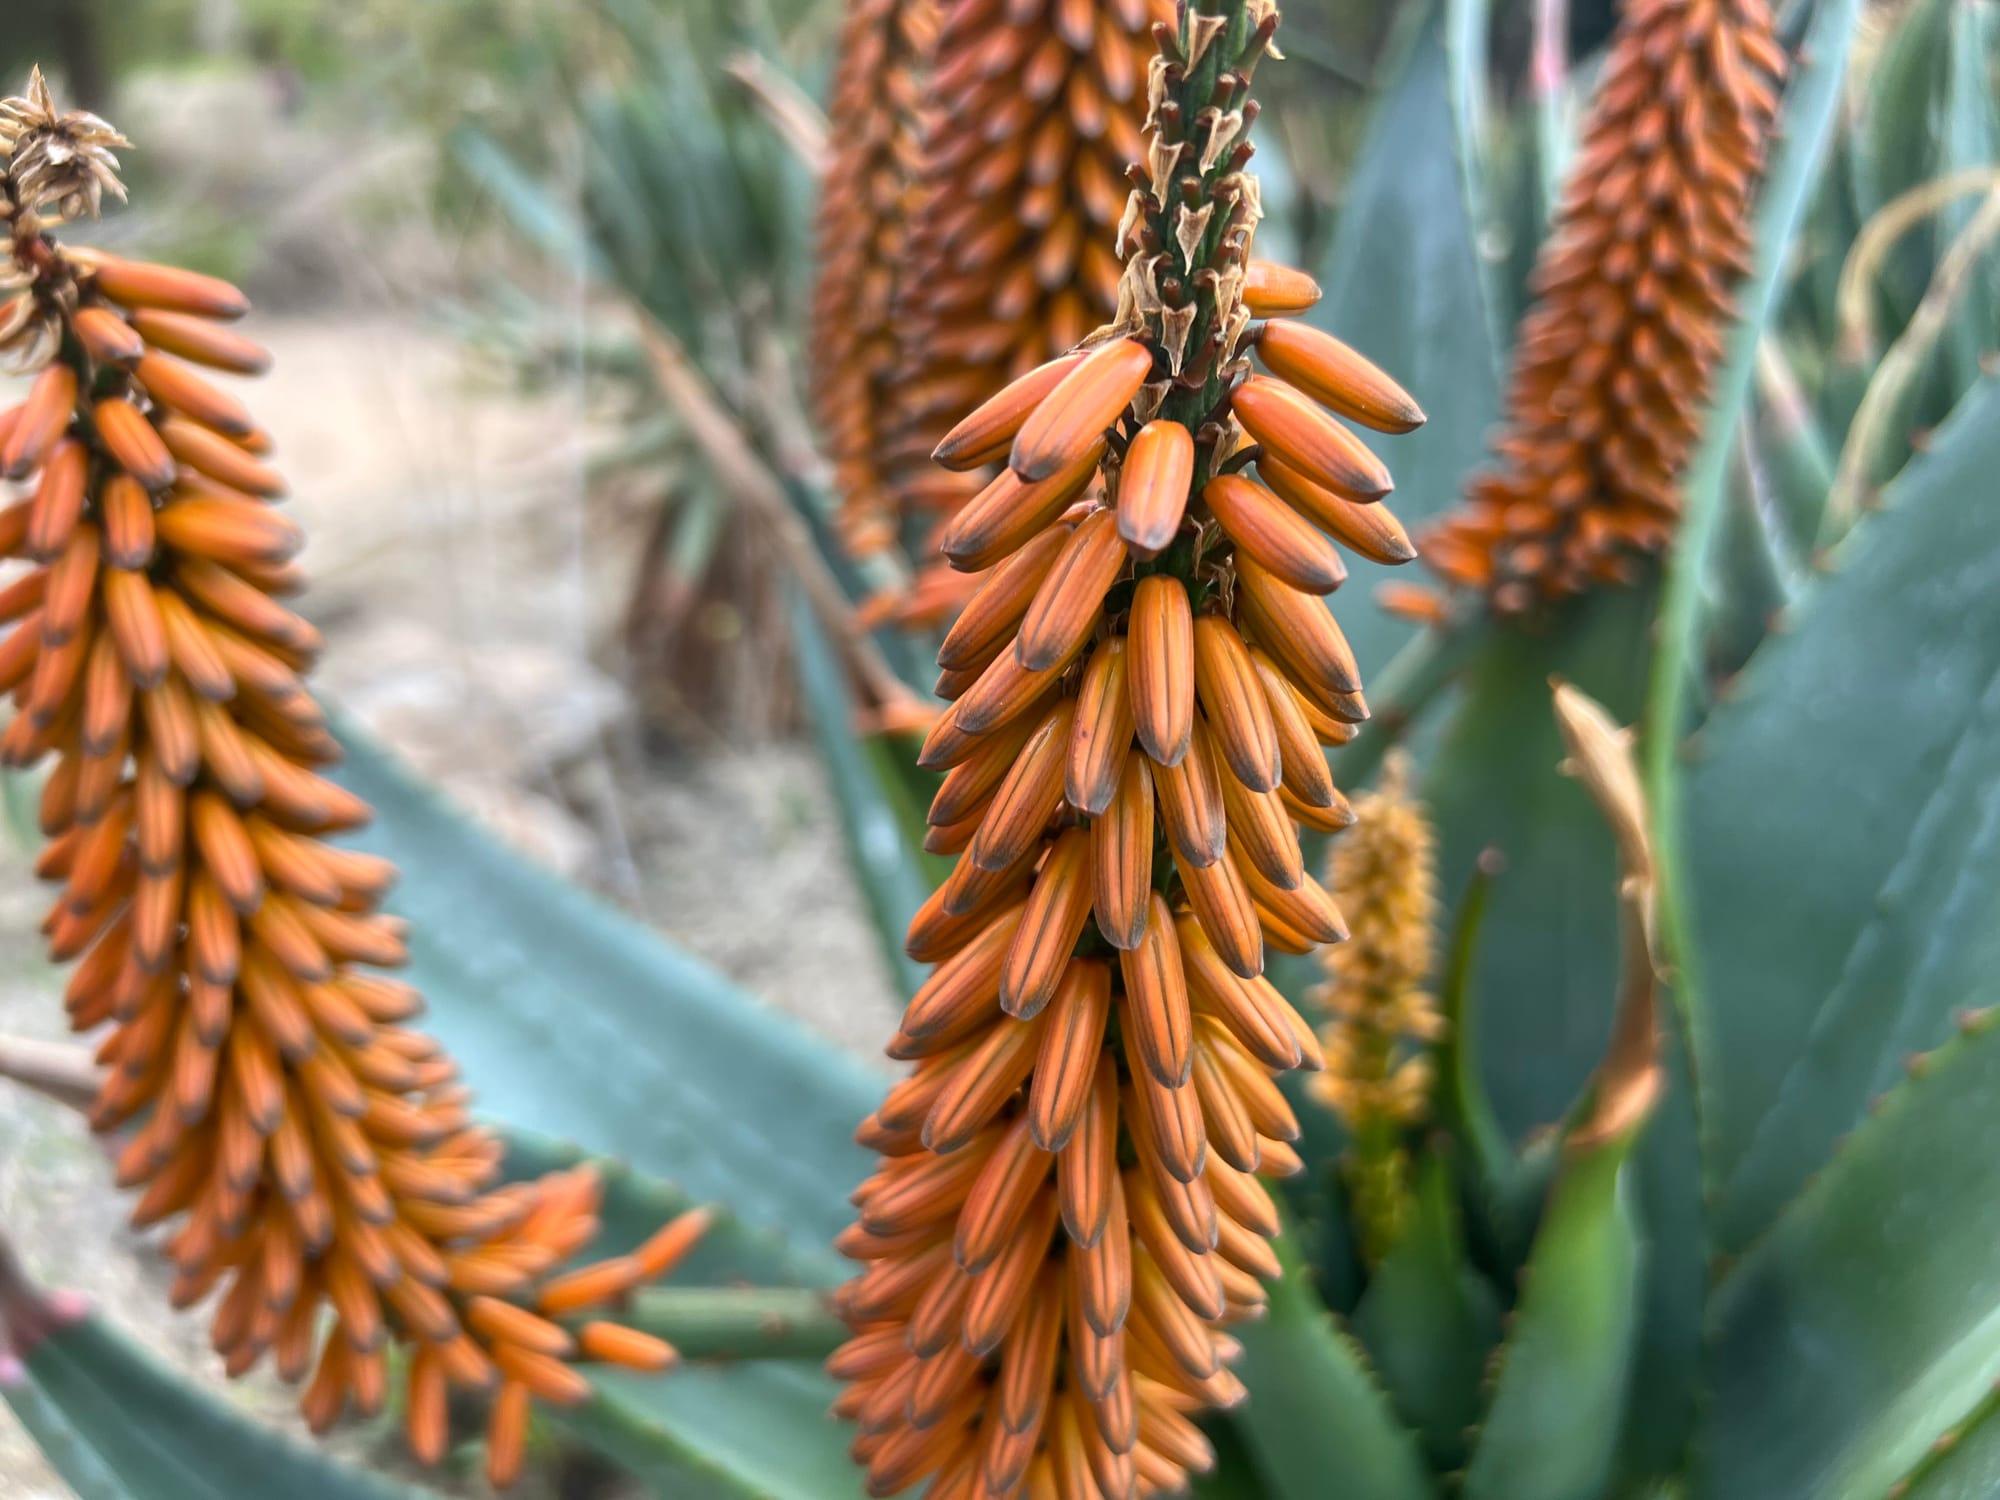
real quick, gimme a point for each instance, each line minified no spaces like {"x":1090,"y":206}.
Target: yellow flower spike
{"x":1382,"y":1016}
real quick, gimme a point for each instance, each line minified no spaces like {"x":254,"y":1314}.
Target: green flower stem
{"x":738,"y":1323}
{"x":1404,"y":688}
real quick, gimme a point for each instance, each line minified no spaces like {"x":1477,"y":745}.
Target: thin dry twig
{"x":797,"y":120}
{"x":752,"y":484}
{"x":59,"y":1070}
{"x":1896,"y":377}
{"x":1854,"y":299}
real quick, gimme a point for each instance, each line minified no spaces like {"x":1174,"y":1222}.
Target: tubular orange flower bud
{"x":1076,"y":413}
{"x":108,"y":337}
{"x":1065,"y":607}
{"x":316,"y":1156}
{"x":132,"y":284}
{"x":1233,"y":699}
{"x":1368,"y":529}
{"x":199,"y":340}
{"x":1335,"y":376}
{"x":988,"y":432}
{"x":1000,"y":518}
{"x":1153,"y":490}
{"x":1613,"y":362}
{"x":1123,"y":852}
{"x":1101,"y":740}
{"x":988,"y":619}
{"x":1161,"y":656}
{"x":1065,"y":1216}
{"x":1274,"y":291}
{"x":1305,"y":439}
{"x":40,"y":422}
{"x":174,"y":386}
{"x":1274,"y":535}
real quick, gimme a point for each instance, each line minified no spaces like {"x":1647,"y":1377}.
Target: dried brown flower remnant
{"x":867,"y":200}
{"x":1634,"y":296}
{"x":1377,"y":1077}
{"x":60,"y":163}
{"x":1068,"y":1215}
{"x":315,"y":1152}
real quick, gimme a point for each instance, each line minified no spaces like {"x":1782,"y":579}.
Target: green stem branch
{"x":739,"y":1323}
{"x":1403,"y":689}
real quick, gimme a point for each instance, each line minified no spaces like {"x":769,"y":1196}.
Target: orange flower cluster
{"x":867,"y":201}
{"x":319,"y":1154}
{"x":1069,"y":1214}
{"x":1614,"y":360}
{"x":1033,"y":115}
{"x":1001,"y":239}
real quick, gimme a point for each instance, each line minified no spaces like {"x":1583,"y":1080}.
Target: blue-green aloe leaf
{"x":1865,"y":1325}
{"x":1964,"y":1464}
{"x":733,"y":1430}
{"x":1867,"y":735}
{"x":1429,"y":1322}
{"x":1404,"y":286}
{"x":590,"y":1027}
{"x":1677,"y":690}
{"x":1547,"y":957}
{"x":118,"y":1425}
{"x":1319,"y":1421}
{"x":881,"y":807}
{"x":1552,"y":1428}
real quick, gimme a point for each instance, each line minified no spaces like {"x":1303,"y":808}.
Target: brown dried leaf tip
{"x":1069,"y":1213}
{"x":1614,"y":361}
{"x":331,"y":1189}
{"x":1630,"y":1078}
{"x":1378,"y":1073}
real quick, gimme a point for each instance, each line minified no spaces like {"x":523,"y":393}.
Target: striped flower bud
{"x":1613,"y":364}
{"x":265,"y":1092}
{"x":1069,"y":1212}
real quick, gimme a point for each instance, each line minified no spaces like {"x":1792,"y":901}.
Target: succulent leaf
{"x":881,"y":811}
{"x":1320,"y":1410}
{"x":668,"y":1065}
{"x":1548,"y":955}
{"x":1551,"y":1429}
{"x":1428,"y":1321}
{"x":1806,"y":1029}
{"x":83,"y":1386}
{"x":1861,"y":1328}
{"x":1404,"y":224}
